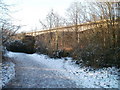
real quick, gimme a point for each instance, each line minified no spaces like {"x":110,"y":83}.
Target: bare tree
{"x":74,"y":13}
{"x":6,"y":27}
{"x":53,"y":20}
{"x":75,"y":17}
{"x":8,"y":31}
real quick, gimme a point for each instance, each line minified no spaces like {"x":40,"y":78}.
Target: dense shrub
{"x":52,"y":53}
{"x":98,"y":57}
{"x":60,"y":53}
{"x":101,"y":49}
{"x":16,"y":46}
{"x":42,"y":50}
{"x":29,"y":42}
{"x":26,"y":45}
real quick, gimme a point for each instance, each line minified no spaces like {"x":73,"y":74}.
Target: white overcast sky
{"x":28,"y":12}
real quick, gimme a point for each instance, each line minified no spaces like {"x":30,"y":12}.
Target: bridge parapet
{"x":81,"y":27}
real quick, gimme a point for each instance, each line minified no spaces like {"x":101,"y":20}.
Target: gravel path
{"x":31,"y":74}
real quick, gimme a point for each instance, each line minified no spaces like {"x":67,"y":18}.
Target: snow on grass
{"x":8,"y":72}
{"x":0,"y":76}
{"x":85,"y":76}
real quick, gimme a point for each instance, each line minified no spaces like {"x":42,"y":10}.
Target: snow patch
{"x":85,"y":76}
{"x":7,"y":72}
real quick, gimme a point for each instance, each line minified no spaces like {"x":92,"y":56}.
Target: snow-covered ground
{"x":85,"y":76}
{"x":7,"y":72}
